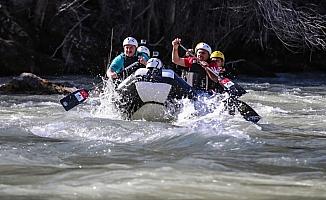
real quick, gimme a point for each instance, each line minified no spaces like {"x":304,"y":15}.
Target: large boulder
{"x":28,"y":83}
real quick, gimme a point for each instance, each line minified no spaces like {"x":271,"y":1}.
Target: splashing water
{"x":203,"y":108}
{"x":106,"y":107}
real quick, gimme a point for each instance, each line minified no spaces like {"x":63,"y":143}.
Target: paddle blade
{"x":232,"y":88}
{"x":247,"y":112}
{"x":73,"y":99}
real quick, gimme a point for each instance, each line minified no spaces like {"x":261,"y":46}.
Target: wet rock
{"x":28,"y":83}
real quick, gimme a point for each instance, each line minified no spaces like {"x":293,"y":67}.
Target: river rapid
{"x":89,"y":152}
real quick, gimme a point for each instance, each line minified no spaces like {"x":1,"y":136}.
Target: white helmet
{"x":130,"y":41}
{"x":154,"y":63}
{"x":143,"y":49}
{"x":204,"y":46}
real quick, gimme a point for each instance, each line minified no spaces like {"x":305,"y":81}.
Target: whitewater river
{"x":90,"y":153}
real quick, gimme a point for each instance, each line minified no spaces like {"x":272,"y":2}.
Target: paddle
{"x":245,"y":110}
{"x":79,"y":96}
{"x":73,"y":99}
{"x":232,"y":88}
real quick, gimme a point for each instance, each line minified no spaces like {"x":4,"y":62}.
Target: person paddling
{"x":129,"y":56}
{"x":195,"y":75}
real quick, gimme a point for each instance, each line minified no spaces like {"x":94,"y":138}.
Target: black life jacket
{"x":196,"y":77}
{"x":127,"y":68}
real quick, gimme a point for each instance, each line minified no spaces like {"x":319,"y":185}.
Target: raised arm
{"x":175,"y":54}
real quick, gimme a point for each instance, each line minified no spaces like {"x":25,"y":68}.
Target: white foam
{"x":106,"y":107}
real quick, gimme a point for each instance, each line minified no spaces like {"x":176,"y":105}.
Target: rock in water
{"x":28,"y":83}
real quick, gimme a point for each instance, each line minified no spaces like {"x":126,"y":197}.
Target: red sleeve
{"x":189,"y":61}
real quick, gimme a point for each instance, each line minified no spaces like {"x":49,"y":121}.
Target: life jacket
{"x":196,"y":77}
{"x":128,"y":69}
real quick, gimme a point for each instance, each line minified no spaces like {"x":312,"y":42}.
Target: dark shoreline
{"x":55,"y":38}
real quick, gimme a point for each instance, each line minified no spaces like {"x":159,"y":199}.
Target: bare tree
{"x":297,"y":28}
